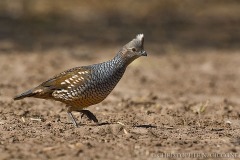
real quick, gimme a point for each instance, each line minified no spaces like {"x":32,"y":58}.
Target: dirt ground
{"x":173,"y":105}
{"x":180,"y":102}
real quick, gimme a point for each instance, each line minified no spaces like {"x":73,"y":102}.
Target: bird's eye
{"x":133,"y":49}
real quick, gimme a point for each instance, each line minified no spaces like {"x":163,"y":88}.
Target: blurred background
{"x":185,"y":24}
{"x":182,"y":98}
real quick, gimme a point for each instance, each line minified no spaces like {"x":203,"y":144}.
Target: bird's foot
{"x":89,"y":115}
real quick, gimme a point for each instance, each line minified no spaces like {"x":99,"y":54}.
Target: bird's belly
{"x":93,"y":92}
{"x":90,"y":96}
{"x":87,"y":101}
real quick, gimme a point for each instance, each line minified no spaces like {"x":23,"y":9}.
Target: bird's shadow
{"x":138,"y":126}
{"x":104,"y":123}
{"x":108,"y":123}
{"x":145,"y":126}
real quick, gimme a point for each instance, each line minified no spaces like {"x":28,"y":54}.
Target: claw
{"x":82,"y":115}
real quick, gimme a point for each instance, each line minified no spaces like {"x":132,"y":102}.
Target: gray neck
{"x":119,"y":61}
{"x":117,"y":65}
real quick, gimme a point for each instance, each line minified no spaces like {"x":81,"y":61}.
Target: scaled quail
{"x":84,"y":86}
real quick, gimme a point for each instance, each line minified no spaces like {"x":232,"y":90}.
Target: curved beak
{"x":143,"y":53}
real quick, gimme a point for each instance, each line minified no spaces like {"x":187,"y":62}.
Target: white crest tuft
{"x":140,"y":37}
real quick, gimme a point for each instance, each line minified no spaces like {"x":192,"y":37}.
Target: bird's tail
{"x":28,"y":93}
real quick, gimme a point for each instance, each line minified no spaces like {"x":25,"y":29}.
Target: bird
{"x":83,"y":86}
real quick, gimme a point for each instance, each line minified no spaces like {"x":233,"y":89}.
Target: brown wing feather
{"x":60,"y":81}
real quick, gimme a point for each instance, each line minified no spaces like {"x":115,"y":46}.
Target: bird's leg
{"x":70,"y":116}
{"x":89,"y":114}
{"x":72,"y":119}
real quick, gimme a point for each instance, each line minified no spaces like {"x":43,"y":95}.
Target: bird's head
{"x":133,"y":49}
